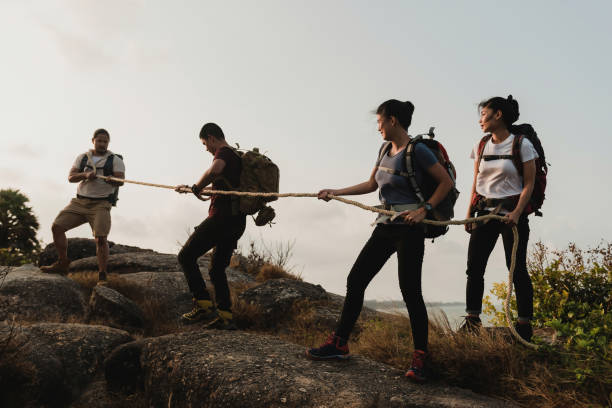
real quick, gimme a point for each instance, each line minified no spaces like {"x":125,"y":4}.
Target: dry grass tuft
{"x":157,"y":319}
{"x":264,"y":263}
{"x":490,"y":363}
{"x":246,"y":315}
{"x":269,"y":271}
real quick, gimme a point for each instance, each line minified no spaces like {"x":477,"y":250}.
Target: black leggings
{"x":409,"y":243}
{"x":482,"y":242}
{"x":223,"y":234}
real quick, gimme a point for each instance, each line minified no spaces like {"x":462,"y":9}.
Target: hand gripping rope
{"x":376,"y":210}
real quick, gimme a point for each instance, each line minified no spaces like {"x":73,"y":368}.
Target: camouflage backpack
{"x":259,"y":174}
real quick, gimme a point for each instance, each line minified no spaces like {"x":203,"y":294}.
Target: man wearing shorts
{"x":92,"y":204}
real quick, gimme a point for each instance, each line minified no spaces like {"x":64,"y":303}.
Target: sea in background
{"x":454,"y":311}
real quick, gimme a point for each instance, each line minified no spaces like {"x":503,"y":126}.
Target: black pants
{"x":482,"y":242}
{"x":409,"y":243}
{"x":223,"y":234}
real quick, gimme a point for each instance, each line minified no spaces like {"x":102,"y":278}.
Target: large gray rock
{"x":236,"y":369}
{"x":62,"y":360}
{"x":31,"y":295}
{"x":168,"y":289}
{"x":276,"y":297}
{"x":114,"y":309}
{"x":79,"y":248}
{"x":131,"y":262}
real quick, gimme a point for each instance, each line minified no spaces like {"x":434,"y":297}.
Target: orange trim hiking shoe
{"x":416,"y":373}
{"x":334,"y":348}
{"x":60,"y":266}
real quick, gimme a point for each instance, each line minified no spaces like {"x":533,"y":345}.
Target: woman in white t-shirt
{"x":501,"y":189}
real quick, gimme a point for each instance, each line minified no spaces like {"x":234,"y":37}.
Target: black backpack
{"x":521,"y":131}
{"x":108,"y":171}
{"x":444,"y":211}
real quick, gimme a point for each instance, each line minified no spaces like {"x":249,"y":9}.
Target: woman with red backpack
{"x":504,"y":179}
{"x":401,"y":235}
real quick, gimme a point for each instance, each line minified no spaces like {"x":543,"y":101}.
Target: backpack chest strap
{"x":489,"y":157}
{"x":393,"y":171}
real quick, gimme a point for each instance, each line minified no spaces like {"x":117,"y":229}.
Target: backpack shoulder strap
{"x":481,"y":147}
{"x":382,"y":151}
{"x":108,"y":164}
{"x":516,"y":153}
{"x":83,"y":163}
{"x":410,"y":167}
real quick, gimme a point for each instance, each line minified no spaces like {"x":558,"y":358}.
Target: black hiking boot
{"x":524,"y":330}
{"x":334,"y":348}
{"x":416,"y":373}
{"x":203,"y":311}
{"x":471,"y":325}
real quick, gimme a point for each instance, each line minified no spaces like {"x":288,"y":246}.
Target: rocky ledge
{"x":65,"y":342}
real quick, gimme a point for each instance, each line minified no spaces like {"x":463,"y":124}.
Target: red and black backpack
{"x":524,"y":130}
{"x":444,"y":211}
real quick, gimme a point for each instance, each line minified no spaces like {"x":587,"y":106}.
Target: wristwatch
{"x":427,"y":206}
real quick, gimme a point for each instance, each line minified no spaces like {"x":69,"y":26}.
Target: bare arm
{"x":529,"y":170}
{"x":444,"y":186}
{"x":211,"y":173}
{"x":75,"y":175}
{"x":117,"y":174}
{"x":362,"y":188}
{"x":469,"y":210}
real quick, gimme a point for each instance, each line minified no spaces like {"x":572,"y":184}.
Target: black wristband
{"x":195,"y":190}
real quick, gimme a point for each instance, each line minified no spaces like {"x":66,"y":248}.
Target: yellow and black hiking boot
{"x":224,"y":321}
{"x":203,"y":311}
{"x":60,"y":266}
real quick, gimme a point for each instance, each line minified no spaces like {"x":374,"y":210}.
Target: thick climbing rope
{"x":376,"y":210}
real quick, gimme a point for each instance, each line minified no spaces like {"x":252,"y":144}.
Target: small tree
{"x":18,"y":227}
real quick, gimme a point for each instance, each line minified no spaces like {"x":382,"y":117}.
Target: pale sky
{"x":300,"y":80}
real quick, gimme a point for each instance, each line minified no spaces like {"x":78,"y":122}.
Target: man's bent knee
{"x":184,"y":257}
{"x":57,"y":229}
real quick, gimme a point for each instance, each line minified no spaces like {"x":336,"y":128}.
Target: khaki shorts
{"x":82,"y":210}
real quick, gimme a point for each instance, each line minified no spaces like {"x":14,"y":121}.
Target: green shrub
{"x":572,"y":293}
{"x":18,"y":226}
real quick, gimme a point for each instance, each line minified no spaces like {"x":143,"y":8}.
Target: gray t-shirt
{"x":395,"y":189}
{"x":98,"y":188}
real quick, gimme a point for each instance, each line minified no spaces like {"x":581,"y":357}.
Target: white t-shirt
{"x":97,"y":188}
{"x":500,"y":178}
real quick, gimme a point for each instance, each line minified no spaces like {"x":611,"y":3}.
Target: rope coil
{"x":372,"y":209}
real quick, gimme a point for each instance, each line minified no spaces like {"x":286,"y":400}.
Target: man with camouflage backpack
{"x":93,"y":202}
{"x":221,"y":230}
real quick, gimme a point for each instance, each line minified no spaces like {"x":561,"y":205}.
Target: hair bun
{"x":509,"y":98}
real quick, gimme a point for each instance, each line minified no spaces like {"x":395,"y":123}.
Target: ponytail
{"x":509,"y":108}
{"x":401,"y":110}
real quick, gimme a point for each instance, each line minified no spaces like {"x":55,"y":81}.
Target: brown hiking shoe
{"x":59,"y":266}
